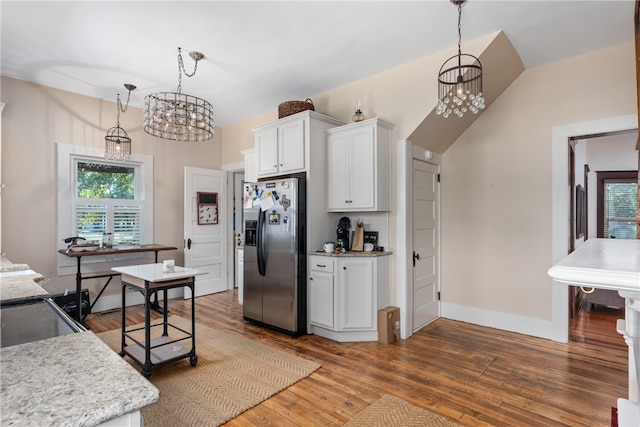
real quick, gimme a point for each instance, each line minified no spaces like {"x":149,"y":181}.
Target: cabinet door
{"x":356,"y":287}
{"x":291,"y":147}
{"x":267,"y":152}
{"x":338,"y":154}
{"x":362,"y":169}
{"x":321,"y":299}
{"x":250,"y":169}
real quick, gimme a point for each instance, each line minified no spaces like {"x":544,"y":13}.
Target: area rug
{"x":232,"y":375}
{"x":391,"y":411}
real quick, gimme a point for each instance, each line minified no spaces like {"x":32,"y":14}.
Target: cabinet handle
{"x":321,"y":265}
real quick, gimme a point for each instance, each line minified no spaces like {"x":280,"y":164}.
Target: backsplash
{"x":373,"y":221}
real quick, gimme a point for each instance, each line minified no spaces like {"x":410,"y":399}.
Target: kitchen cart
{"x":160,"y":350}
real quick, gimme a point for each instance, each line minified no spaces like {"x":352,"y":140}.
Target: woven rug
{"x":232,"y":375}
{"x":391,"y":411}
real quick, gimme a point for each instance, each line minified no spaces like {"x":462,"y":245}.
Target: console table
{"x":126,"y":249}
{"x":612,"y":264}
{"x":151,"y":353}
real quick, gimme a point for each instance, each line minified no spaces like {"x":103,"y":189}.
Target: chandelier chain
{"x":459,"y":29}
{"x":181,"y":70}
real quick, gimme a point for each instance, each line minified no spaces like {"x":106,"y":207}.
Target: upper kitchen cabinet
{"x":283,"y":147}
{"x":250,"y":170}
{"x":359,"y":166}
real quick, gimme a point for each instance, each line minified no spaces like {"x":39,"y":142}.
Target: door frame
{"x":406,"y":152}
{"x":559,"y":325}
{"x":231,"y":169}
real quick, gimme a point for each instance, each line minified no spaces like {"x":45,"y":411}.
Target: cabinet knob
{"x":310,"y":278}
{"x":344,"y":268}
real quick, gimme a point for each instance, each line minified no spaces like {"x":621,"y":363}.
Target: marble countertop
{"x":602,"y":263}
{"x":351,"y":254}
{"x":21,"y":287}
{"x":70,"y":380}
{"x":18,"y":282}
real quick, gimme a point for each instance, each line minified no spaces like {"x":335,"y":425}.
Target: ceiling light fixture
{"x":176,"y":116}
{"x":117,"y":144}
{"x":460,"y":81}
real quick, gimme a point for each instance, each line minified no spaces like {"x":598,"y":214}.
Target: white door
{"x":425,"y":241}
{"x":205,"y":233}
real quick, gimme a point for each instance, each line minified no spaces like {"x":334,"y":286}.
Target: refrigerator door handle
{"x":260,"y":243}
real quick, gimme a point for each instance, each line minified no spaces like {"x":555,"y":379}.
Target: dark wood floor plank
{"x":475,"y":375}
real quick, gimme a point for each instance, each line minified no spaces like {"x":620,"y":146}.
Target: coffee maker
{"x":344,"y":228}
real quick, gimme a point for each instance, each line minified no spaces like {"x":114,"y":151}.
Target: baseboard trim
{"x":504,"y":321}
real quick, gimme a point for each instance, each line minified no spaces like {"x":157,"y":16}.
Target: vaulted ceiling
{"x":258,"y":54}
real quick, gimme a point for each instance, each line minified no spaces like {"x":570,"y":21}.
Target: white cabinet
{"x":250,"y":169}
{"x":356,"y":302}
{"x":345,"y":294}
{"x":322,"y":292}
{"x":359,"y":166}
{"x":291,"y":144}
{"x":281,"y":146}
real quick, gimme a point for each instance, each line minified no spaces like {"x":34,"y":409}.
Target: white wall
{"x":497,"y":199}
{"x":33,"y":120}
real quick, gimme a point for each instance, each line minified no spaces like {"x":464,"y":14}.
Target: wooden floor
{"x":471,"y":374}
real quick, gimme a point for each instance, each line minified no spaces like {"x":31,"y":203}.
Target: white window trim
{"x":65,"y":173}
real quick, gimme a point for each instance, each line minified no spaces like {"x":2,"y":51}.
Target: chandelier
{"x":117,"y":142}
{"x":177,"y":116}
{"x":460,"y":81}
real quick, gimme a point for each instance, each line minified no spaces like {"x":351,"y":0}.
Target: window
{"x":106,"y":200}
{"x":97,"y":196}
{"x":617,"y":204}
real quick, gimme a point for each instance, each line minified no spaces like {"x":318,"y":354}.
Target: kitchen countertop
{"x":352,"y":254}
{"x":70,"y":380}
{"x":21,"y":287}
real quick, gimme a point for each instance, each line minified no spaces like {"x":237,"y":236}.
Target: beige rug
{"x":233,"y":374}
{"x":391,"y":411}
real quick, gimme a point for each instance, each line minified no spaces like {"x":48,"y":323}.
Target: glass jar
{"x":107,"y":240}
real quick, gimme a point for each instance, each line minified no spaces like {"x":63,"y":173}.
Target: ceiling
{"x":259,"y":54}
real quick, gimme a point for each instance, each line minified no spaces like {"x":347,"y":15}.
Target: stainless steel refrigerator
{"x":275,"y":254}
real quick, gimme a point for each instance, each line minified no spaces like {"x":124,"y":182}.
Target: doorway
{"x":597,"y":163}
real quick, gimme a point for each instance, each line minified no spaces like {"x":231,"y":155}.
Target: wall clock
{"x":207,"y":206}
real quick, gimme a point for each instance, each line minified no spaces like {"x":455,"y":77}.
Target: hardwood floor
{"x":471,"y":374}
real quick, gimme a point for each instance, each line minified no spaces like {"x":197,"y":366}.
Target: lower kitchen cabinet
{"x":345,"y":294}
{"x":322,"y":292}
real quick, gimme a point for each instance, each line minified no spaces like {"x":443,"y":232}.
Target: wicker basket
{"x":292,"y":107}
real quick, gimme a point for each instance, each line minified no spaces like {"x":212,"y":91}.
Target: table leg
{"x":193,"y":359}
{"x":165,"y":332}
{"x":78,"y":316}
{"x":146,"y":368}
{"x":124,"y":317}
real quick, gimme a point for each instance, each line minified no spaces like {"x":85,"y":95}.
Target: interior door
{"x":425,"y":241}
{"x":205,"y":229}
